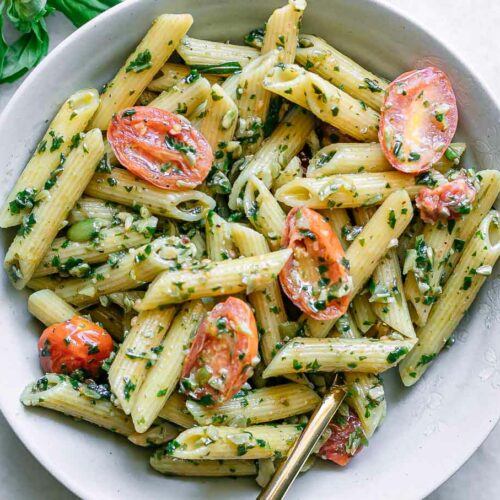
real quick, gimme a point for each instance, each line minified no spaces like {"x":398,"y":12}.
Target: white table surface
{"x":469,"y":27}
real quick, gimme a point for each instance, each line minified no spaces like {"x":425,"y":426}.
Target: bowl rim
{"x":68,"y":481}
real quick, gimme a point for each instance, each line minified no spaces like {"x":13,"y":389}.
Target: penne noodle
{"x":158,"y":434}
{"x":282,"y":30}
{"x":164,"y":463}
{"x":172,"y":74}
{"x":184,"y":97}
{"x":355,"y":158}
{"x":141,"y":66}
{"x":219,"y":241}
{"x":125,"y":272}
{"x":48,"y":308}
{"x":475,"y":265}
{"x":309,"y":355}
{"x":60,"y":139}
{"x":221,"y":58}
{"x":258,"y":406}
{"x":174,"y":410}
{"x":69,"y":256}
{"x":324,"y":100}
{"x":318,"y":56}
{"x":81,"y":401}
{"x":164,"y":376}
{"x":137,"y":354}
{"x":254,"y":442}
{"x":212,"y":279}
{"x":264,"y":212}
{"x":120,"y":186}
{"x":62,"y":190}
{"x":445,"y":243}
{"x":345,"y":191}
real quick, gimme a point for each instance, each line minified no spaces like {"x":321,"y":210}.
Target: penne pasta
{"x":158,"y":434}
{"x":75,"y":256}
{"x":362,"y":355}
{"x":62,"y":190}
{"x":120,"y":186}
{"x":173,"y":73}
{"x":282,"y":30}
{"x":475,"y":265}
{"x":345,"y":191}
{"x":164,"y":463}
{"x":268,"y":302}
{"x":141,"y":66}
{"x":48,"y":308}
{"x":81,"y":401}
{"x":324,"y":100}
{"x":445,"y":243}
{"x":264,"y":212}
{"x":366,"y":396}
{"x":124,"y":272}
{"x":174,"y":410}
{"x":165,"y":373}
{"x":212,"y":279}
{"x":220,"y":245}
{"x":61,"y":138}
{"x":355,"y":158}
{"x":222,"y":443}
{"x":215,"y":57}
{"x":184,"y":97}
{"x":137,"y":354}
{"x":317,"y":55}
{"x":258,"y":406}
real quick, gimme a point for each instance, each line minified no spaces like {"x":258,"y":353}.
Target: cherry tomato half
{"x":316,"y":276}
{"x":74,"y":344}
{"x":448,"y":201}
{"x":160,"y":148}
{"x":419,"y":119}
{"x":223,"y":353}
{"x":346,"y":439}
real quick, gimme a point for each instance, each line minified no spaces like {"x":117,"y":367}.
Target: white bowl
{"x":430,"y":430}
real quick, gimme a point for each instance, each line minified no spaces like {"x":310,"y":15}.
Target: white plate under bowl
{"x":430,"y":430}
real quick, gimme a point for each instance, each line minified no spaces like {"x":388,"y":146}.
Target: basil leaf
{"x":23,"y":13}
{"x":81,"y":11}
{"x":25,"y":53}
{"x":218,"y":69}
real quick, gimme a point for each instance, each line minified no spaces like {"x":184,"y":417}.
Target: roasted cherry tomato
{"x":223,"y":353}
{"x":74,"y":344}
{"x":316,"y":276}
{"x":346,"y":440}
{"x":160,"y":148}
{"x":419,"y":119}
{"x":448,"y":201}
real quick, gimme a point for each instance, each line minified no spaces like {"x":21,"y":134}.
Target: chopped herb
{"x":391,"y":219}
{"x":426,"y":358}
{"x":218,"y":69}
{"x":396,"y":354}
{"x":140,"y":63}
{"x":467,"y":283}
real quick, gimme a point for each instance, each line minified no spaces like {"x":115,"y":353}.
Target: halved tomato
{"x":160,"y":148}
{"x":222,"y":355}
{"x":316,"y":276}
{"x":76,"y":344}
{"x":347,"y":439}
{"x":419,"y":119}
{"x":448,"y":201}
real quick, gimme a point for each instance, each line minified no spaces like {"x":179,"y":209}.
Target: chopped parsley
{"x":141,"y":63}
